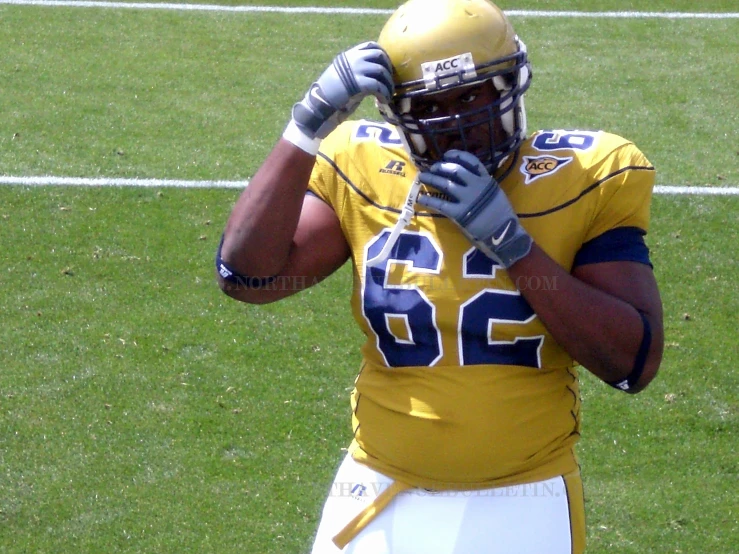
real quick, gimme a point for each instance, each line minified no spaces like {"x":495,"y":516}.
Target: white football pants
{"x":546,"y":517}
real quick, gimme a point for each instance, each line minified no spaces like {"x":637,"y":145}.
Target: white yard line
{"x":46,"y":181}
{"x":351,"y":11}
{"x":118,"y":182}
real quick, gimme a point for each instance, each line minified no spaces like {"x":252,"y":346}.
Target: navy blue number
{"x":478,"y":316}
{"x":407,"y":303}
{"x":552,"y":140}
{"x":385,"y":135}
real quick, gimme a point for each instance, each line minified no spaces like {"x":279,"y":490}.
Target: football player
{"x":489,"y":263}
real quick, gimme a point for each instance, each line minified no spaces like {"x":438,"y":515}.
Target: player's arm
{"x":608,"y":316}
{"x":277,"y":240}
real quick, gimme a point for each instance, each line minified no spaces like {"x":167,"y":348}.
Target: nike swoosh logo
{"x":497,"y":241}
{"x":314,"y":94}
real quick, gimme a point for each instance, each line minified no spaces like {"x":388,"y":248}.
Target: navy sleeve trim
{"x":623,"y":244}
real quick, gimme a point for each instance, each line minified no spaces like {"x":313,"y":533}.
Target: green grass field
{"x":142,"y":411}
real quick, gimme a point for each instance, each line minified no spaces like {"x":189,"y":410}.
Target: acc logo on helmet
{"x":456,"y":69}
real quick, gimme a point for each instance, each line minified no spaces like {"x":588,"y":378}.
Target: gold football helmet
{"x":439,"y":45}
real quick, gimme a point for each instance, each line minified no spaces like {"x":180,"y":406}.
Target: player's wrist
{"x":519,"y":249}
{"x":512,"y":250}
{"x":295,"y":135}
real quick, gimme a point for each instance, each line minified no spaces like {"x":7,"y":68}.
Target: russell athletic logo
{"x":394,"y":167}
{"x":534,"y":167}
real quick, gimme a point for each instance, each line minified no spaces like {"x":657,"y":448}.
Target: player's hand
{"x":359,"y":72}
{"x":475,"y":202}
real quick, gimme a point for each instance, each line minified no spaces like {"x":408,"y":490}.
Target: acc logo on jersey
{"x":534,"y":167}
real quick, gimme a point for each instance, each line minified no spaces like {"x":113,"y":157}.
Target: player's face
{"x":462,"y":119}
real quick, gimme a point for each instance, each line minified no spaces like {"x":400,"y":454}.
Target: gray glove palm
{"x":476,"y":203}
{"x":359,"y":72}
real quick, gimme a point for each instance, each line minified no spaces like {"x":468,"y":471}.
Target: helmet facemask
{"x":492,"y":131}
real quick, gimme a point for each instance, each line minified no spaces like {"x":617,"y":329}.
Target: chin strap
{"x":405,"y":218}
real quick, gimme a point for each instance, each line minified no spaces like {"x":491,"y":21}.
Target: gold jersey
{"x":461,"y":386}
